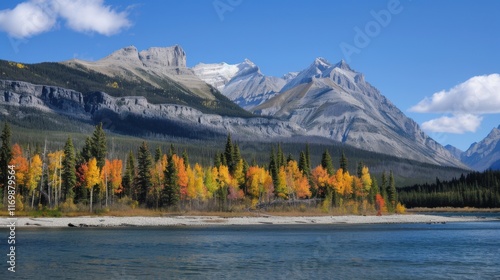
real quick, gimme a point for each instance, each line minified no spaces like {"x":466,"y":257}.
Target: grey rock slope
{"x":336,"y":102}
{"x":484,"y":154}
{"x":454,"y":151}
{"x":137,"y":111}
{"x":153,"y":66}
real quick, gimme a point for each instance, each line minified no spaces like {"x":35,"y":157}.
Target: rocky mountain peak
{"x":343,"y":65}
{"x":163,"y":57}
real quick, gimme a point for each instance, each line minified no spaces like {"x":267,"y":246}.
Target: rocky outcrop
{"x":92,"y":105}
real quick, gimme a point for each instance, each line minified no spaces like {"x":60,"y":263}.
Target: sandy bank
{"x":108,"y":221}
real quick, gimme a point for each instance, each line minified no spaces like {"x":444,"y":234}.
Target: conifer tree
{"x":303,"y":163}
{"x":228,"y":153}
{"x":144,"y":165}
{"x":280,"y":157}
{"x":99,"y":145}
{"x":392,"y":193}
{"x":86,"y":152}
{"x":308,"y":159}
{"x":217,"y":161}
{"x":273,"y":168}
{"x":171,"y":191}
{"x":69,"y":170}
{"x":343,"y":162}
{"x":158,"y":154}
{"x":326,"y":163}
{"x":129,"y":176}
{"x":185,"y":157}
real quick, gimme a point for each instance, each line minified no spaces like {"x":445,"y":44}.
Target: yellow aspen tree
{"x":201,"y":190}
{"x":34,"y":175}
{"x":92,"y":178}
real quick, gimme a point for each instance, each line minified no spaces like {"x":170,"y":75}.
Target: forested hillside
{"x":481,"y":190}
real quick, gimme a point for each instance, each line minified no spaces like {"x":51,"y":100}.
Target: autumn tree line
{"x":168,"y":180}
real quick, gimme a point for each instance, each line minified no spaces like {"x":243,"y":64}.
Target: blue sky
{"x":445,"y":51}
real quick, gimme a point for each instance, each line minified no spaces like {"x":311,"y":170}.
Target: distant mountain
{"x":484,"y":154}
{"x":456,"y":152}
{"x":153,"y":93}
{"x":243,"y":83}
{"x":334,"y":101}
{"x":495,"y":166}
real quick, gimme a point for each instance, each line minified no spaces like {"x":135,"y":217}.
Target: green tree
{"x":326,"y":163}
{"x":228,"y":153}
{"x":172,"y":190}
{"x":158,"y":154}
{"x":129,"y":176}
{"x":99,"y":145}
{"x":308,"y":159}
{"x":86,"y":152}
{"x":69,"y":170}
{"x":144,"y":165}
{"x":303,"y":163}
{"x":392,"y":193}
{"x":343,"y":162}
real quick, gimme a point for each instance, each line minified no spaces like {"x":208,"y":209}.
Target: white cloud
{"x":34,"y":17}
{"x":478,"y":95}
{"x":27,"y":19}
{"x":457,"y":124}
{"x":92,"y":16}
{"x":466,"y":103}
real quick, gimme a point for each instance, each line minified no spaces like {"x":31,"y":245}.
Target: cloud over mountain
{"x":457,"y":124}
{"x":34,"y":17}
{"x":466,"y":102}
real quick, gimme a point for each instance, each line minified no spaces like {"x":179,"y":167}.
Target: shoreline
{"x":112,"y":221}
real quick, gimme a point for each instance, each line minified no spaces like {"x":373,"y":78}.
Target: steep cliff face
{"x":131,"y":111}
{"x":154,"y":66}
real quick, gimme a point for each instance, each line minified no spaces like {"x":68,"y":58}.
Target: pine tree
{"x":129,"y":176}
{"x":273,"y":168}
{"x":86,"y":152}
{"x":99,"y":145}
{"x":228,"y":153}
{"x":144,"y":165}
{"x":343,"y":162}
{"x":5,"y":157}
{"x":217,"y":161}
{"x":185,"y":157}
{"x":383,"y":188}
{"x":171,"y":191}
{"x":308,"y":159}
{"x":280,"y":157}
{"x":303,"y":163}
{"x":360,"y":169}
{"x":392,"y":193}
{"x":326,"y":163}
{"x":158,"y":154}
{"x":236,"y":153}
{"x":69,"y":170}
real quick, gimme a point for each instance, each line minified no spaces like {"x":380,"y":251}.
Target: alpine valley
{"x":152,"y":93}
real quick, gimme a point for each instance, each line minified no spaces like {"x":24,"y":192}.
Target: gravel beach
{"x":108,"y":221}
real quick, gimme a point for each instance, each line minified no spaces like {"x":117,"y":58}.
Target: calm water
{"x":418,"y":251}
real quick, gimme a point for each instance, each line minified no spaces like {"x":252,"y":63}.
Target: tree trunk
{"x":91,"y":193}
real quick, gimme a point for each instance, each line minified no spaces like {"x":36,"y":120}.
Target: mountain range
{"x":481,"y":155}
{"x":153,"y":92}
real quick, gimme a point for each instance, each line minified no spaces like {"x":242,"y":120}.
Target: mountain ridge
{"x":329,"y":101}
